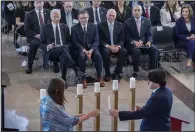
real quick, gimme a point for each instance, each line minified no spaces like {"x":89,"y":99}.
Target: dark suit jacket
{"x":125,"y":15}
{"x":107,"y":4}
{"x":131,"y":33}
{"x":102,"y":12}
{"x":104,"y":34}
{"x":74,"y":13}
{"x":159,"y":4}
{"x":193,"y":7}
{"x":31,"y":23}
{"x":155,"y":114}
{"x":78,"y":37}
{"x":139,"y":2}
{"x":182,"y":32}
{"x":154,"y":15}
{"x":47,"y":35}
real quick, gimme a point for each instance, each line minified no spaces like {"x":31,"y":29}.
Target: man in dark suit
{"x":32,"y":24}
{"x":155,"y":114}
{"x":152,"y":13}
{"x":138,"y":39}
{"x":192,"y":4}
{"x":96,"y":13}
{"x":69,"y":15}
{"x":85,"y":40}
{"x":111,"y":43}
{"x":56,"y":44}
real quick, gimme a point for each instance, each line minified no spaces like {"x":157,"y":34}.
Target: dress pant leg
{"x":106,"y":60}
{"x":191,"y":46}
{"x":81,"y":61}
{"x":193,"y":56}
{"x":34,"y":45}
{"x":135,"y":56}
{"x":122,"y":57}
{"x":153,"y":54}
{"x":96,"y":57}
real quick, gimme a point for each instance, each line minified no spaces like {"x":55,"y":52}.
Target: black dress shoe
{"x":56,"y":68}
{"x":107,"y":78}
{"x":46,"y":66}
{"x":135,"y":75}
{"x":29,"y":69}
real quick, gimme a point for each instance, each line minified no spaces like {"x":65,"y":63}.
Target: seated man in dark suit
{"x":155,"y":114}
{"x":138,"y":39}
{"x":69,"y":15}
{"x":96,"y":13}
{"x":151,"y":12}
{"x":85,"y":40}
{"x":111,"y":43}
{"x":56,"y":44}
{"x":32,"y":24}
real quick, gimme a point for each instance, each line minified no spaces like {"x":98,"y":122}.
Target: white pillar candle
{"x":43,"y":93}
{"x":132,"y":82}
{"x":109,"y":103}
{"x":79,"y":89}
{"x":115,"y":85}
{"x":96,"y":87}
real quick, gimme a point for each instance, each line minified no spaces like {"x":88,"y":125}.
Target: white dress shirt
{"x":165,"y":17}
{"x":188,"y":25}
{"x":54,"y":30}
{"x":83,"y":27}
{"x":37,"y":11}
{"x":94,"y":15}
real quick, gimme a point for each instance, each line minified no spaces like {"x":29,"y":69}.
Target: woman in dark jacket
{"x":123,"y":12}
{"x":185,"y":32}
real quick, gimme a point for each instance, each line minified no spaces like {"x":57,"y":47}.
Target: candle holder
{"x":115,"y":119}
{"x":97,"y":119}
{"x":79,"y":126}
{"x":132,"y":103}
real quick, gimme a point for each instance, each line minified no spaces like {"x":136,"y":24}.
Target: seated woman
{"x":123,"y":12}
{"x":185,"y":32}
{"x":52,"y":110}
{"x":20,"y":15}
{"x":169,"y":13}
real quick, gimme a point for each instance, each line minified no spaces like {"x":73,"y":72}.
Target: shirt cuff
{"x":107,"y":46}
{"x":84,"y":50}
{"x":91,"y":50}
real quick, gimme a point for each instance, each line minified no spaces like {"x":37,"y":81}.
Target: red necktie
{"x":147,"y":13}
{"x":40,"y":18}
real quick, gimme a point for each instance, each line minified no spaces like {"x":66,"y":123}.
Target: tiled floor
{"x":23,"y":95}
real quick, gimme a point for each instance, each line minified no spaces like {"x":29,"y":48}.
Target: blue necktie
{"x":96,"y":16}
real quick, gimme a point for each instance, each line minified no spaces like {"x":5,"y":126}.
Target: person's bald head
{"x":111,"y":15}
{"x":68,"y":5}
{"x":137,"y":11}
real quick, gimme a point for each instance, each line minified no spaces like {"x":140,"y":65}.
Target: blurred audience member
{"x":52,"y":5}
{"x":123,"y":12}
{"x":169,"y":13}
{"x":69,"y":16}
{"x":52,"y":109}
{"x":151,"y":12}
{"x":158,"y":4}
{"x":20,"y":15}
{"x":81,"y":5}
{"x":192,"y":4}
{"x":32,"y":24}
{"x":107,"y":4}
{"x":185,"y":32}
{"x":96,"y":13}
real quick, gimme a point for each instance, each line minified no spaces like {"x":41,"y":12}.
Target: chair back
{"x":162,"y":36}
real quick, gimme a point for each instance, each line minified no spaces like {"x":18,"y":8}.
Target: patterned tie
{"x":147,"y":13}
{"x":40,"y":18}
{"x":96,"y":16}
{"x":57,"y":36}
{"x":111,"y":33}
{"x":138,"y":26}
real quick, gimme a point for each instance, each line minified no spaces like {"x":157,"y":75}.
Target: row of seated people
{"x":167,"y":15}
{"x":134,"y":39}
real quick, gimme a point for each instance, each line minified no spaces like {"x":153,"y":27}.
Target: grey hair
{"x":55,"y":11}
{"x":110,"y":10}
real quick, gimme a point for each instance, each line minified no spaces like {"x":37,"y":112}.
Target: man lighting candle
{"x":155,"y":114}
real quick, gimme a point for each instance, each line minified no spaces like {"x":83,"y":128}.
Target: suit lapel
{"x":101,"y":14}
{"x":81,"y":32}
{"x":51,"y":32}
{"x":142,"y":27}
{"x":45,"y":16}
{"x":62,"y":33}
{"x":193,"y":26}
{"x":114,"y":31}
{"x":135,"y":25}
{"x":106,"y":29}
{"x":36,"y":17}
